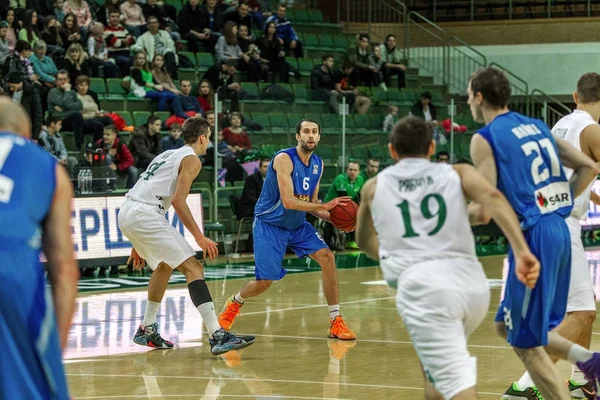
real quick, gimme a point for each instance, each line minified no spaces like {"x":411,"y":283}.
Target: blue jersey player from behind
{"x":290,"y":190}
{"x":521,"y":157}
{"x":35,"y":196}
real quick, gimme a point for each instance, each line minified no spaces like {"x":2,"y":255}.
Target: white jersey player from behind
{"x":166,"y":182}
{"x":413,"y":218}
{"x":581,"y":130}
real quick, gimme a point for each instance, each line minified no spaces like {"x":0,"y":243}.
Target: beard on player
{"x":309,"y":145}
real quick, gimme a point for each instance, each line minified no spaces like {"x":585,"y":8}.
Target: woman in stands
{"x":227,"y":48}
{"x":206,"y":95}
{"x":70,"y":32}
{"x":51,"y":35}
{"x":154,"y":91}
{"x":161,"y":75}
{"x":235,"y":136}
{"x":133,"y":17}
{"x":272,"y":50}
{"x":89,"y":99}
{"x":76,"y":62}
{"x":13,"y":29}
{"x":81,"y":10}
{"x":29,"y":33}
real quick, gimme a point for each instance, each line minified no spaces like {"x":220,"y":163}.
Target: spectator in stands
{"x":102,"y":66}
{"x":13,"y":28}
{"x":53,"y":143}
{"x":70,"y":32}
{"x":118,"y":42}
{"x":206,"y":95}
{"x":118,"y":156}
{"x":157,"y":41}
{"x":244,"y":38}
{"x":144,"y":143}
{"x":239,"y":16}
{"x":393,"y":57}
{"x":390,"y":119}
{"x":51,"y":35}
{"x":152,"y":9}
{"x":19,"y":61}
{"x":43,"y":8}
{"x":59,"y":13}
{"x":4,"y":49}
{"x":184,"y":105}
{"x":354,"y":98}
{"x":133,"y":17}
{"x":424,"y":108}
{"x":173,"y":141}
{"x":322,"y":82}
{"x":104,"y":11}
{"x":29,"y":32}
{"x":378,"y":62}
{"x":214,"y":18}
{"x":371,"y":170}
{"x":43,"y":66}
{"x":235,"y":135}
{"x":26,"y":93}
{"x":443,"y":157}
{"x":258,"y":12}
{"x":161,"y":75}
{"x":142,"y":76}
{"x":76,"y":62}
{"x":285,"y":32}
{"x":81,"y":10}
{"x":358,"y":56}
{"x":227,"y":49}
{"x":64,"y":103}
{"x":194,"y":27}
{"x":220,"y":77}
{"x":89,"y":100}
{"x":272,"y":51}
{"x":252,"y":188}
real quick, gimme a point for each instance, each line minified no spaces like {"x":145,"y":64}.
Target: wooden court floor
{"x":291,"y":359}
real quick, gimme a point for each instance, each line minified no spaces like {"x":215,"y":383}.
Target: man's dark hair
{"x":411,"y":136}
{"x":111,"y":128}
{"x":15,"y":77}
{"x":52,"y":119}
{"x":63,"y":72}
{"x":426,"y":95}
{"x":390,"y":36}
{"x":493,"y":85}
{"x":588,"y":88}
{"x":443,"y":153}
{"x":152,"y":119}
{"x":264,"y":159}
{"x":152,"y":17}
{"x":299,"y":125}
{"x":22,"y":46}
{"x":193,"y":128}
{"x":242,"y":3}
{"x":282,"y":5}
{"x":362,"y":36}
{"x":372,"y":159}
{"x":326,"y":57}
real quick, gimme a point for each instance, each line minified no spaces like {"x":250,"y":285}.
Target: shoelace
{"x":537,"y":393}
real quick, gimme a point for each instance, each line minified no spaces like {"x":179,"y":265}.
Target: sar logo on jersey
{"x":552,"y":197}
{"x":315,"y":169}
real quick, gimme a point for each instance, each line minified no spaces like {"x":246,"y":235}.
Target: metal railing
{"x":462,"y":60}
{"x":519,"y":90}
{"x":429,"y":58}
{"x":380,"y":11}
{"x":546,"y":107}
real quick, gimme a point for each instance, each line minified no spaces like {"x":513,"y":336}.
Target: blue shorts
{"x":31,"y":357}
{"x":271,"y":242}
{"x":530,"y":314}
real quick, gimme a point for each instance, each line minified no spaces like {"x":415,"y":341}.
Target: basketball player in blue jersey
{"x":35,"y":198}
{"x":291,"y":190}
{"x":520,"y":156}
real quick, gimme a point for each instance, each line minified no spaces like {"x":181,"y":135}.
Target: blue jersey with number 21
{"x":530,"y":173}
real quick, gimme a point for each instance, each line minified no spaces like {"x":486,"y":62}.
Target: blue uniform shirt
{"x":269,"y":207}
{"x":530,"y":173}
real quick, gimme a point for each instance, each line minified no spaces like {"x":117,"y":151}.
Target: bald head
{"x":13,"y":118}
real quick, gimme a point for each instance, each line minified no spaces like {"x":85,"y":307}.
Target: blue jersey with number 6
{"x":530,"y":173}
{"x":305,"y":179}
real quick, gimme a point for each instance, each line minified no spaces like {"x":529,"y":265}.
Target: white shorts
{"x":152,"y":236}
{"x":441,"y":303}
{"x":581,"y":291}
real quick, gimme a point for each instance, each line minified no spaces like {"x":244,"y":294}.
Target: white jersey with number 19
{"x":420,"y":214}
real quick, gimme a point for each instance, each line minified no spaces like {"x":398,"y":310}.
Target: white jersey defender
{"x":426,"y":247}
{"x":142,"y":216}
{"x":581,"y":292}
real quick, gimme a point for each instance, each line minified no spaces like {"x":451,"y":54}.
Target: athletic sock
{"x":577,"y":376}
{"x":152,"y":308}
{"x":525,"y":381}
{"x":578,"y":353}
{"x":334,"y":311}
{"x":201,"y":298}
{"x":238,"y":298}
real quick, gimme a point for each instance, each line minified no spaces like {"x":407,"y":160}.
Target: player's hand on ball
{"x":209,"y":248}
{"x":338,"y":201}
{"x":138,"y":262}
{"x":528,"y":269}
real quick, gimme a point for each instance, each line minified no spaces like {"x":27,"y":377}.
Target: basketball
{"x":344,"y":217}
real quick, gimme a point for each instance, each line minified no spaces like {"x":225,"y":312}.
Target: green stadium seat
{"x":162,"y":115}
{"x":315,"y":16}
{"x":379,"y":95}
{"x":263,"y":120}
{"x":293,"y":119}
{"x":188,"y":73}
{"x":300,"y":15}
{"x":378,"y":152}
{"x":115,"y":88}
{"x":141,"y":117}
{"x":317,"y":61}
{"x":293,"y":61}
{"x":359,"y":153}
{"x":204,"y":61}
{"x":377,"y":124}
{"x":340,"y":42}
{"x":126,"y":115}
{"x":326,"y":43}
{"x":362,"y":123}
{"x":302,"y":94}
{"x":327,"y":153}
{"x":98,"y":86}
{"x":330,"y":123}
{"x":279,"y":123}
{"x":252,"y":89}
{"x":191,"y":56}
{"x":305,"y":66}
{"x":311,"y":41}
{"x":350,"y":127}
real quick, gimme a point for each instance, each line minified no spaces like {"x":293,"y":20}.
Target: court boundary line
{"x":216,"y":396}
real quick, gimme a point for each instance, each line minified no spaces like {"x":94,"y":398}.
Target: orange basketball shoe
{"x":231,"y":309}
{"x":339,"y":330}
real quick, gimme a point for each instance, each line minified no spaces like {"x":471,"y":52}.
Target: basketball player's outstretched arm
{"x":58,"y":247}
{"x":366,"y":236}
{"x":584,"y":168}
{"x":284,"y":168}
{"x":188,"y":171}
{"x":484,"y":162}
{"x":478,"y":189}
